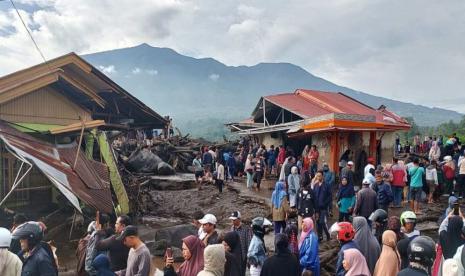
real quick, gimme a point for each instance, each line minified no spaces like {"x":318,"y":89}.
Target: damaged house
{"x":334,"y":122}
{"x":55,"y":122}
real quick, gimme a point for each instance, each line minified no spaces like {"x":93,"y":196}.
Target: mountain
{"x":202,"y":94}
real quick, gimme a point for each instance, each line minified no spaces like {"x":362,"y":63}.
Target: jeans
{"x":279,"y":227}
{"x":397,"y":192}
{"x":322,"y":226}
{"x":231,"y":173}
{"x":249,"y":180}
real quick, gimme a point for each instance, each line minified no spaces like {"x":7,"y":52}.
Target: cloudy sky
{"x":406,"y":50}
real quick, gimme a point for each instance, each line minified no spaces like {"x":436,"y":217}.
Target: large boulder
{"x":145,"y":161}
{"x":171,"y":237}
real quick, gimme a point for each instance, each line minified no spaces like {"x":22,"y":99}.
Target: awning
{"x":84,"y":182}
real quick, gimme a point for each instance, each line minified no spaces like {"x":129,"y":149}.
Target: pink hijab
{"x":358,"y":264}
{"x":194,"y":265}
{"x":308,"y":222}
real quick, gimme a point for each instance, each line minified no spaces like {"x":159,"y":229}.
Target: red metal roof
{"x":311,"y":103}
{"x":85,"y":182}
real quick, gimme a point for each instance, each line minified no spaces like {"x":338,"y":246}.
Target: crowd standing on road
{"x":370,"y":241}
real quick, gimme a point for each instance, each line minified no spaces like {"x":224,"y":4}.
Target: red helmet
{"x":345,"y":232}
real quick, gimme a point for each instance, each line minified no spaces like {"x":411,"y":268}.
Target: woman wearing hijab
{"x":279,"y":207}
{"x":345,"y":199}
{"x":355,"y":264}
{"x":389,"y":261}
{"x":232,"y":246}
{"x":214,"y":260}
{"x":283,"y":262}
{"x":293,"y":182}
{"x":192,"y":252}
{"x":434,"y":152}
{"x":366,"y":241}
{"x":394,"y":225}
{"x":308,"y":246}
{"x":451,"y":238}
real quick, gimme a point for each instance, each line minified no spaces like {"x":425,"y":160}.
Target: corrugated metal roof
{"x":311,"y":103}
{"x":84,"y":183}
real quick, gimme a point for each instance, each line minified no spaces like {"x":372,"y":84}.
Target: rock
{"x":145,"y":161}
{"x":171,"y":236}
{"x":165,"y":169}
{"x":172,"y":182}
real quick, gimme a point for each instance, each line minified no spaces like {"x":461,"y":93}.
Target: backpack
{"x":450,"y":174}
{"x":91,"y":253}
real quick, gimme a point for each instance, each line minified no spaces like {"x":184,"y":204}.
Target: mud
{"x":175,"y":205}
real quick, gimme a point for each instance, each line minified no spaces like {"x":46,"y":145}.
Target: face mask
{"x":305,"y":192}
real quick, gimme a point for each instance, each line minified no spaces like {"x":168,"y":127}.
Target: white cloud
{"x":214,"y":77}
{"x":152,"y":72}
{"x":395,"y":49}
{"x":110,"y":69}
{"x":136,"y":71}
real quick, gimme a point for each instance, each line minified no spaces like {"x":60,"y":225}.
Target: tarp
{"x":74,"y":185}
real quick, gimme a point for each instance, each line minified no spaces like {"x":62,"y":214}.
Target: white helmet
{"x":5,"y":238}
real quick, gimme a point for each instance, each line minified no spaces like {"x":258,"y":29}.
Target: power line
{"x":29,"y":33}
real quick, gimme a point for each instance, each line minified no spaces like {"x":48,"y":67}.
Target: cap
{"x":350,"y":163}
{"x":235,"y":215}
{"x":208,"y":218}
{"x":366,"y":182}
{"x":128,"y":231}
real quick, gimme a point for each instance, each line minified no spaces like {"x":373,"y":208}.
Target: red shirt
{"x":398,"y":176}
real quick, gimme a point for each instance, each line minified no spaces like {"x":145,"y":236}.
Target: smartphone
{"x":456,"y":208}
{"x":169,"y":252}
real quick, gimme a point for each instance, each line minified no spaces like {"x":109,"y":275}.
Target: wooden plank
{"x":115,"y":178}
{"x":77,"y":126}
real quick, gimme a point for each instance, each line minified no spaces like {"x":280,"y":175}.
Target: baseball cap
{"x":235,"y":215}
{"x":350,"y":163}
{"x":128,"y":231}
{"x":208,"y":218}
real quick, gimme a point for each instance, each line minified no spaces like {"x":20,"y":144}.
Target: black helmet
{"x":30,"y":231}
{"x":379,"y":216}
{"x":422,"y":249}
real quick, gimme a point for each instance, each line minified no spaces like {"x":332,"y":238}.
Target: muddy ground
{"x":170,"y":204}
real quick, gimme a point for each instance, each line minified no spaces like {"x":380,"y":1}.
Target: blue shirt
{"x":416,"y":176}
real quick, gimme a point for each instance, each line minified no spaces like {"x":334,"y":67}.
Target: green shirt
{"x":416,"y":176}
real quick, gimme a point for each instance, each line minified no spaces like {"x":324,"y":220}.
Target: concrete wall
{"x":267,"y":140}
{"x":322,"y":142}
{"x":387,"y":147}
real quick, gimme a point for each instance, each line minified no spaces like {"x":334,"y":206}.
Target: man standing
{"x":367,"y":201}
{"x":329,"y":179}
{"x":117,"y":251}
{"x":37,"y":259}
{"x":198,"y":169}
{"x":322,"y":201}
{"x":416,"y":185}
{"x":209,"y":227}
{"x":313,"y":156}
{"x":399,"y":177}
{"x":245,"y":235}
{"x":139,"y":259}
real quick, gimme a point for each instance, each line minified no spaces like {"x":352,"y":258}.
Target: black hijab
{"x":282,"y":244}
{"x":451,"y":238}
{"x":347,"y":190}
{"x":234,"y":242}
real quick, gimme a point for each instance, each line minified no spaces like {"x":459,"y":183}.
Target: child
{"x":431,"y":179}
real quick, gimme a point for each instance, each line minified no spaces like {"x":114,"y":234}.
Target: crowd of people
{"x":372,"y":242}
